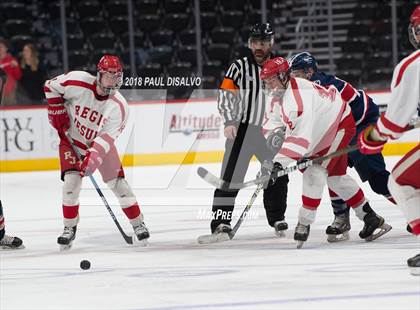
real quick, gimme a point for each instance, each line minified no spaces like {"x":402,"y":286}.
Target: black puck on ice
{"x":85,"y":264}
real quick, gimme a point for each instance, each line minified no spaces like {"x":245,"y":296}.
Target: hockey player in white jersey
{"x":317,"y":123}
{"x":94,"y":113}
{"x":404,"y":183}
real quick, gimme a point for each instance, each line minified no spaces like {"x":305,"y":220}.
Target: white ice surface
{"x":256,"y":270}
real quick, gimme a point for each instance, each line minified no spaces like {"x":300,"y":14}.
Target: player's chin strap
{"x":221,"y":184}
{"x":126,"y":237}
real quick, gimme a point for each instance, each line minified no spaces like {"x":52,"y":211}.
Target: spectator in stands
{"x":30,"y":86}
{"x":9,"y":65}
{"x":2,"y":82}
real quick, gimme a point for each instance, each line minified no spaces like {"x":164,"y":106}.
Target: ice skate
{"x":66,"y":239}
{"x":373,"y":223}
{"x":220,"y":234}
{"x":280,"y":228}
{"x":142,"y":234}
{"x":414,"y":265}
{"x":301,"y":234}
{"x":11,"y":243}
{"x":339,"y":229}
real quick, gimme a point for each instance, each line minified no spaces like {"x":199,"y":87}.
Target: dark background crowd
{"x":361,"y":42}
{"x":23,"y":76}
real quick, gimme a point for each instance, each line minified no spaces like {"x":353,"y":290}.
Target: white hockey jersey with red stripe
{"x":95,"y":120}
{"x":405,"y":97}
{"x":312,"y":115}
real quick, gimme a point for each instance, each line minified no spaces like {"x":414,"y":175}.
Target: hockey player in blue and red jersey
{"x":365,"y":112}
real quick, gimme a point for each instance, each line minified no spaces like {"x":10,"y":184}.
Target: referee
{"x":241,"y":103}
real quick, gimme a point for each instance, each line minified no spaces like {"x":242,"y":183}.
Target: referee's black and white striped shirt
{"x":241,"y":98}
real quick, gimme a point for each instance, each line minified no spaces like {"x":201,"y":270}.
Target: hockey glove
{"x":90,"y":163}
{"x":58,"y":117}
{"x":275,"y":139}
{"x":269,"y":168}
{"x":369,"y":141}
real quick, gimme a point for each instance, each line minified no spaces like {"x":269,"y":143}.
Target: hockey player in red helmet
{"x":94,"y":113}
{"x":414,"y":28}
{"x":109,"y":76}
{"x":404,"y":182}
{"x":275,"y":74}
{"x":318,"y":122}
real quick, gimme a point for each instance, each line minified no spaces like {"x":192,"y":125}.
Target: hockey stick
{"x":245,"y":212}
{"x":221,"y":184}
{"x":126,"y":237}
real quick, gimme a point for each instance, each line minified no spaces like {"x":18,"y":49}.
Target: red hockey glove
{"x":58,"y":117}
{"x":366,"y":144}
{"x":90,"y":163}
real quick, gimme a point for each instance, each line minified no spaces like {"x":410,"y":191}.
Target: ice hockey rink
{"x":256,"y":270}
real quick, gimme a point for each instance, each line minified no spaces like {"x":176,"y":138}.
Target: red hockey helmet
{"x":110,"y":67}
{"x":414,"y":27}
{"x":275,"y":68}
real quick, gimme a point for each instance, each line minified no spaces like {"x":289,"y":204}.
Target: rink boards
{"x":158,"y":132}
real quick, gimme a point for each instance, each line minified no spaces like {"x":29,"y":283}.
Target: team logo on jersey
{"x":68,"y":156}
{"x":89,"y":114}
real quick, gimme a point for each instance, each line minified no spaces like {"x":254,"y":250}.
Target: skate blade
{"x":142,"y":243}
{"x":213,"y":238}
{"x":280,"y":234}
{"x":299,"y":244}
{"x":65,"y":247}
{"x":8,"y":248}
{"x":415,"y":271}
{"x":382,"y":231}
{"x":338,"y":238}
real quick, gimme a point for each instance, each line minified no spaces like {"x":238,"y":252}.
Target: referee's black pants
{"x":249,"y":141}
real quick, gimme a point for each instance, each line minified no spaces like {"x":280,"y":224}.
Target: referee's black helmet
{"x":261,"y":31}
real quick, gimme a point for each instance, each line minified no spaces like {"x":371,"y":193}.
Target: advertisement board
{"x":158,"y":132}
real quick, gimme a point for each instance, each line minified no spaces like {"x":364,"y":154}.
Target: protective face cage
{"x":118,"y":76}
{"x":414,"y":31}
{"x":283,"y":78}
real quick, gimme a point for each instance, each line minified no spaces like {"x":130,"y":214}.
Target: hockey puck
{"x":85,"y":264}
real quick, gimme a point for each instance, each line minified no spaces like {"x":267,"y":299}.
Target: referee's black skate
{"x":66,"y":239}
{"x":414,"y":265}
{"x":301,"y":234}
{"x":339,"y":229}
{"x":11,"y":243}
{"x":220,"y":234}
{"x":375,"y":227}
{"x":280,"y":228}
